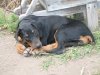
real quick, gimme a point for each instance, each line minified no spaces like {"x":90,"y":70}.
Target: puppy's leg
{"x":86,"y":39}
{"x":79,"y":42}
{"x":54,"y":48}
{"x":51,"y":48}
{"x":59,"y":45}
{"x":58,"y":50}
{"x":47,"y":47}
{"x":44,"y":49}
{"x":20,"y":48}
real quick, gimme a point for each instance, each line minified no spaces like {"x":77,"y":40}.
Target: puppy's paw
{"x":27,"y":52}
{"x":20,"y":48}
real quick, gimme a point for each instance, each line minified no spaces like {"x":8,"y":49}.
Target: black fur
{"x":69,"y":34}
{"x":40,"y":31}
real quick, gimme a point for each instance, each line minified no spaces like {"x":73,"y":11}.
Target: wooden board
{"x":92,"y":16}
{"x":62,"y":12}
{"x":52,"y":5}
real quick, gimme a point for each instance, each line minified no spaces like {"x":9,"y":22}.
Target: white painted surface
{"x":92,"y":16}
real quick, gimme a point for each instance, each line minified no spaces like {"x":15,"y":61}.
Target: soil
{"x":12,"y":63}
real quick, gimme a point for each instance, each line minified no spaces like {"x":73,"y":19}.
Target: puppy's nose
{"x":39,"y":45}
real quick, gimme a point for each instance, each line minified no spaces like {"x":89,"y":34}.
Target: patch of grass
{"x":8,"y":20}
{"x":75,"y":52}
{"x":97,"y":73}
{"x":47,"y":63}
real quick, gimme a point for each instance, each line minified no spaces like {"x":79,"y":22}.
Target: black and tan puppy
{"x":37,"y":31}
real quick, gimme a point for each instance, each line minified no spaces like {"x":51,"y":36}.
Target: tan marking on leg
{"x":49,"y":47}
{"x":20,"y":48}
{"x":86,"y":39}
{"x":56,"y":42}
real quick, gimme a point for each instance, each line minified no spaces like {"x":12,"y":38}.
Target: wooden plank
{"x":31,"y":7}
{"x":43,"y":3}
{"x":92,"y":16}
{"x":85,"y":17}
{"x":24,"y":3}
{"x":30,"y":10}
{"x":68,"y":4}
{"x":61,"y":12}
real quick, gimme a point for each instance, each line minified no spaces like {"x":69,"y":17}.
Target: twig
{"x":82,"y":71}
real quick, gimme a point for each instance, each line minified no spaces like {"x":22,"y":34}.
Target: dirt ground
{"x":12,"y":63}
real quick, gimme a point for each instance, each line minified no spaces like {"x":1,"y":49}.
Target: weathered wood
{"x":24,"y":3}
{"x":92,"y":16}
{"x":31,"y":7}
{"x":63,"y":12}
{"x":52,"y":5}
{"x":42,"y":2}
{"x":88,"y":7}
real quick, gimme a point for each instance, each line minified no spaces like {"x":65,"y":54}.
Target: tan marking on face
{"x":86,"y":39}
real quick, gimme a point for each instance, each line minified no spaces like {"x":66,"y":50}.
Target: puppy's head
{"x":29,"y":35}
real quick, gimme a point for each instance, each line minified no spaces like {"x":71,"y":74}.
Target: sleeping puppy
{"x":39,"y":31}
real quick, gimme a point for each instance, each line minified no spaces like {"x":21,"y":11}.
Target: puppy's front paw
{"x":20,"y":48}
{"x":27,"y":53}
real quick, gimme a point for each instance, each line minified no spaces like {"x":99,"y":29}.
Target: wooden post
{"x":92,"y":16}
{"x":31,"y":7}
{"x":24,"y":3}
{"x":85,"y":16}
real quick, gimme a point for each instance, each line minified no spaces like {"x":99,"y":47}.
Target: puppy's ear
{"x":38,"y":26}
{"x":18,"y":35}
